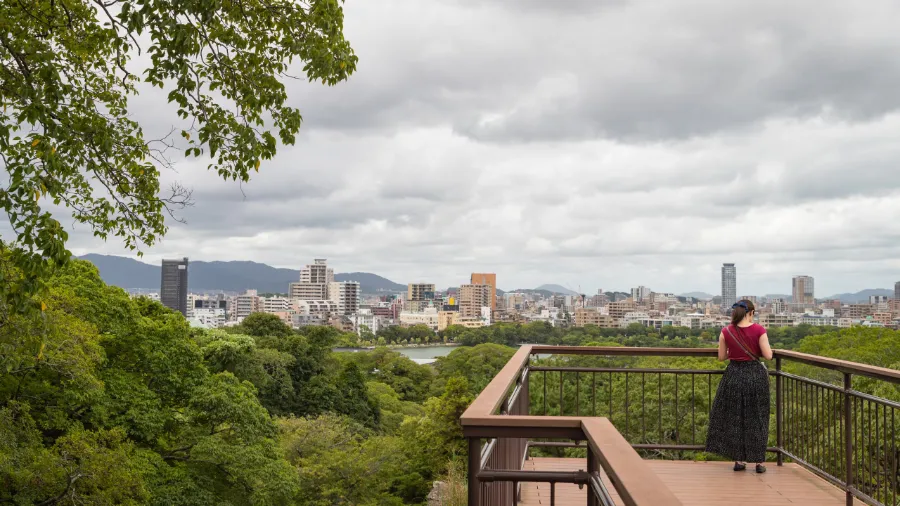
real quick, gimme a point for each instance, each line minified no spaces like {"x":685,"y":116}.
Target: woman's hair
{"x":741,"y":309}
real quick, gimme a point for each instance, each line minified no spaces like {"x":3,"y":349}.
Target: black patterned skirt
{"x":739,"y":419}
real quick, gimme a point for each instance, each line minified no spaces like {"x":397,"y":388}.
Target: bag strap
{"x":741,"y":343}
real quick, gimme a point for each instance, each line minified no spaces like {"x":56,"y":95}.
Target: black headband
{"x":740,"y":304}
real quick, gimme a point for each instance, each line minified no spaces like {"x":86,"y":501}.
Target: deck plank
{"x":700,"y":484}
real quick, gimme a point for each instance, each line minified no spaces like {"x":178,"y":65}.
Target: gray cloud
{"x":601,"y":146}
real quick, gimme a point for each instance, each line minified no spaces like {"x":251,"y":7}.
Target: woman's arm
{"x":723,"y":350}
{"x":764,"y":347}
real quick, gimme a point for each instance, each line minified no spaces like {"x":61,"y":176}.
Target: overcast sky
{"x":592,"y":143}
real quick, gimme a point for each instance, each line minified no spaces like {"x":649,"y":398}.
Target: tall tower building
{"x":803,"y":290}
{"x":173,"y":288}
{"x":729,"y":285}
{"x":489,"y":279}
{"x":897,"y":290}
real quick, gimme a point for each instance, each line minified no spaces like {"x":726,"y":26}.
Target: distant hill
{"x":698,"y":295}
{"x":556,"y":289}
{"x":861,"y":296}
{"x":234,"y":276}
{"x":371,"y":283}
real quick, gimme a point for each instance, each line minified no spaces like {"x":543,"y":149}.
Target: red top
{"x":749,"y":336}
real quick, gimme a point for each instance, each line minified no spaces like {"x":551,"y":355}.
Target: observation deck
{"x":563,"y":426}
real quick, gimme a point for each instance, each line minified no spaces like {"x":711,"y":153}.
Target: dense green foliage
{"x":68,"y":133}
{"x":106,"y":399}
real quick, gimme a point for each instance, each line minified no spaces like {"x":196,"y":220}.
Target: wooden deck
{"x":700,"y":484}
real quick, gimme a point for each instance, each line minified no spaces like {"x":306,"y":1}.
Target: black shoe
{"x":739,"y":467}
{"x":760,"y":468}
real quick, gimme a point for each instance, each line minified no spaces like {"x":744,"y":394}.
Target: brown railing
{"x":846,"y":436}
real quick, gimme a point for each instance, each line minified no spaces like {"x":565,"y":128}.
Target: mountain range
{"x":235,"y":276}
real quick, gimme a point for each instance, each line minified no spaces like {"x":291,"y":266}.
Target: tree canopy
{"x":68,"y":133}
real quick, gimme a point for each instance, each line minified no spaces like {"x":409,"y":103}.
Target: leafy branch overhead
{"x":68,"y":136}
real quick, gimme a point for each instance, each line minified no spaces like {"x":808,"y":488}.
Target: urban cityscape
{"x":316,"y":299}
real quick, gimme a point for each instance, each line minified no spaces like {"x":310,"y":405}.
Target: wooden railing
{"x":846,"y":436}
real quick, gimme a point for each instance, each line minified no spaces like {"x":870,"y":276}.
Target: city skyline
{"x":785,"y":290}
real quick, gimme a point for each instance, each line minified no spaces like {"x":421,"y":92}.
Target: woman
{"x":739,"y":420}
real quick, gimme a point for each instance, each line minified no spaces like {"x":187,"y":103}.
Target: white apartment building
{"x":211,"y":317}
{"x":365,"y":318}
{"x":634,"y":317}
{"x":275,"y":304}
{"x":320,"y":308}
{"x":818,"y":320}
{"x":346,"y":295}
{"x":428,"y":317}
{"x":245,"y":305}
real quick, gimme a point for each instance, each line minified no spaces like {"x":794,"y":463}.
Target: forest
{"x":108,"y":399}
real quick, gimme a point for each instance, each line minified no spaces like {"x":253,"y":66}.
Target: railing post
{"x":474,"y":467}
{"x":591,"y":469}
{"x":779,"y":411}
{"x":848,"y":436}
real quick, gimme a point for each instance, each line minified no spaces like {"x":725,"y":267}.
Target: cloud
{"x":591,"y":144}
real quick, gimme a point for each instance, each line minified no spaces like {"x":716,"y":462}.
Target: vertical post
{"x":779,"y":412}
{"x":848,"y":436}
{"x":474,"y":467}
{"x":591,"y":468}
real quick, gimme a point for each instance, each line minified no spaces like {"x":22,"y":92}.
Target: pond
{"x":418,"y":354}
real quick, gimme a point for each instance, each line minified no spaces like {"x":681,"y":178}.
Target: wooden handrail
{"x":871,"y":371}
{"x":632,"y":478}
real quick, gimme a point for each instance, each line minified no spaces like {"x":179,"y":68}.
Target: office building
{"x":346,"y":295}
{"x":729,"y":285}
{"x":490,"y":280}
{"x":314,"y":281}
{"x":897,"y":290}
{"x":173,"y":291}
{"x":803,"y":290}
{"x":472,"y":298}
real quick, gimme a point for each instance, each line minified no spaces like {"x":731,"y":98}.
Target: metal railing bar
{"x":486,"y":452}
{"x":627,"y":370}
{"x":576,"y":477}
{"x":601,"y":492}
{"x":816,"y":470}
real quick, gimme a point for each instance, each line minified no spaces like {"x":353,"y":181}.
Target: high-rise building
{"x":472,"y":298}
{"x":803,"y":290}
{"x":640,"y":293}
{"x":488,"y":279}
{"x":897,"y":290}
{"x":729,"y":285}
{"x":418,"y":296}
{"x":314,"y":280}
{"x":173,"y":288}
{"x":346,"y":295}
